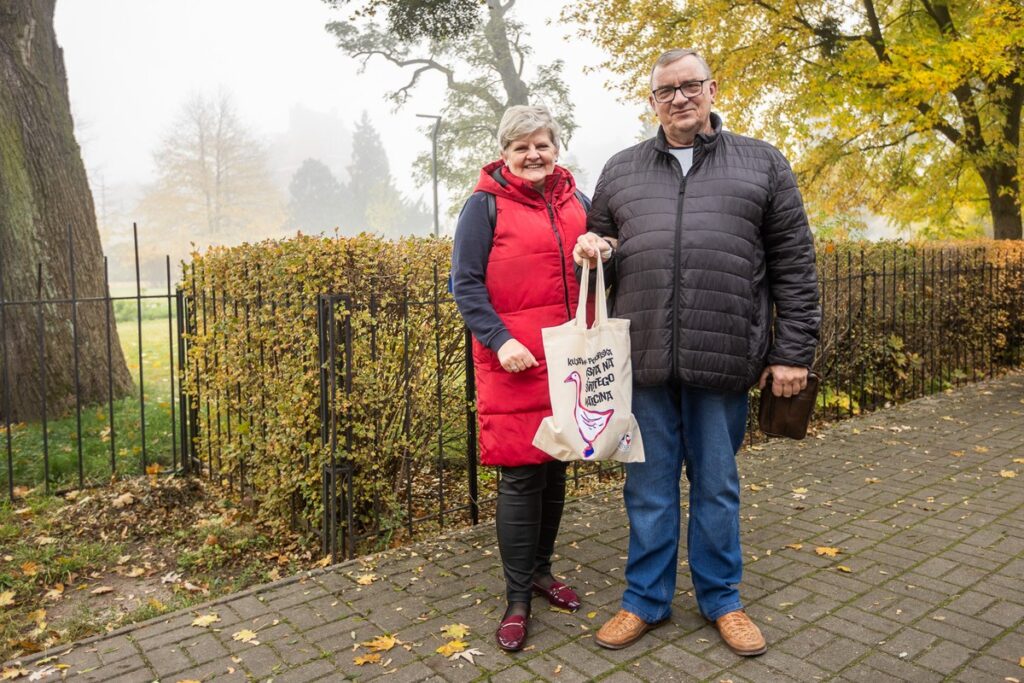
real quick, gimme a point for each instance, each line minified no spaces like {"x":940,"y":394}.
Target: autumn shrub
{"x":899,"y":320}
{"x":902,"y":320}
{"x":254,"y":374}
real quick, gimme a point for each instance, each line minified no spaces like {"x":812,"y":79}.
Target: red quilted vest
{"x":531,"y":283}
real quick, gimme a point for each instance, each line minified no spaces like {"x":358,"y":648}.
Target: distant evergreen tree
{"x":317,"y":201}
{"x":375,"y":204}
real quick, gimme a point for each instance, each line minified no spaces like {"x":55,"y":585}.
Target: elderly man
{"x":709,"y":234}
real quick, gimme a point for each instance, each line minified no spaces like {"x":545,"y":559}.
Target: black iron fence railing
{"x":354,"y":419}
{"x":66,"y":441}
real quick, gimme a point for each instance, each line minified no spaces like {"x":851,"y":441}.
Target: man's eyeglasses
{"x":690,"y":89}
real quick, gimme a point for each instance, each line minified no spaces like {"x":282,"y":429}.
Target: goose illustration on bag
{"x":590,"y":422}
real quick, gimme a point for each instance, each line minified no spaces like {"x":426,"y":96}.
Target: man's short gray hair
{"x":522,"y":120}
{"x":674,"y":55}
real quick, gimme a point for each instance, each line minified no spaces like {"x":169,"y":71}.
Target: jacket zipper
{"x":561,"y":259}
{"x":676,"y":284}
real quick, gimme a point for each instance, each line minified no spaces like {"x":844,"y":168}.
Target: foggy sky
{"x":131,"y":63}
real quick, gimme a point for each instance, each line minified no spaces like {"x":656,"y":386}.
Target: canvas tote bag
{"x":590,"y":380}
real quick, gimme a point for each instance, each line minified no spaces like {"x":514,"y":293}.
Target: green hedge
{"x":900,"y":320}
{"x":255,"y":377}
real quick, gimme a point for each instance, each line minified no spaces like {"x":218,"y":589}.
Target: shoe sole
{"x":619,"y":646}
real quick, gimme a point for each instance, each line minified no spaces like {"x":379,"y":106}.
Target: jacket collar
{"x":496,"y":179}
{"x":703,"y":140}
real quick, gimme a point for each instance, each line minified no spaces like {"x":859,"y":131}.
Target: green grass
{"x":104,"y":451}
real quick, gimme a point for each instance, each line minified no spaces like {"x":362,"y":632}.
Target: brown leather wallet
{"x":789,"y":417}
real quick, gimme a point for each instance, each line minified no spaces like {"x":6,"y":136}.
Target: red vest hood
{"x":559,"y":187}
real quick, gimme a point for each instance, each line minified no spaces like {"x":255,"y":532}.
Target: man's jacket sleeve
{"x":792,"y":272}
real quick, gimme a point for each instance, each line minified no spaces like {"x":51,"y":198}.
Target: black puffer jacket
{"x":702,"y":259}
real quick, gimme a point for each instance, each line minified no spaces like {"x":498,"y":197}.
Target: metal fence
{"x":393,"y":439}
{"x":93,"y":443}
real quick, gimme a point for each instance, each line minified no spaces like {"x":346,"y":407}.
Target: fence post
{"x":183,"y":407}
{"x":471,"y":457}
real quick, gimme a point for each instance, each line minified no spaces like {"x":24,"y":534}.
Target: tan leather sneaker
{"x":624,"y":629}
{"x":740,"y":634}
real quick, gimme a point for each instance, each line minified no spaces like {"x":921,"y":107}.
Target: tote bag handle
{"x":600,"y":297}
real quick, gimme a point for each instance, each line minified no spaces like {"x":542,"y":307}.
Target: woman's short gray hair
{"x":522,"y":120}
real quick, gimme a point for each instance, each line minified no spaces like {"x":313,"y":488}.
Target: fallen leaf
{"x":451,"y":647}
{"x":381,"y":643}
{"x":591,"y":615}
{"x":6,"y":598}
{"x":794,"y":546}
{"x":153,"y":470}
{"x":826,"y":551}
{"x":755,"y":487}
{"x":245,"y":636}
{"x":124,"y":500}
{"x":55,"y":593}
{"x":135,"y":572}
{"x":192,"y":588}
{"x":957,"y":454}
{"x":800,"y":489}
{"x":1019,"y":461}
{"x":170,"y":577}
{"x":843,"y":568}
{"x":100,"y":590}
{"x":11,"y":672}
{"x":366,"y":659}
{"x":45,"y":540}
{"x":872,"y":480}
{"x":455,"y":631}
{"x":156,"y":604}
{"x":981,"y":449}
{"x":323,"y":562}
{"x":366,"y":579}
{"x":1021,"y":661}
{"x":29,"y":568}
{"x":206,"y":619}
{"x":467,"y":655}
{"x":1007,"y":474}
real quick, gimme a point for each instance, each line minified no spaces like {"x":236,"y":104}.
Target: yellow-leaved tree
{"x":910,"y":108}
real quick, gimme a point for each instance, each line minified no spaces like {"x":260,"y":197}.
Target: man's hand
{"x":787,"y":380}
{"x":514,"y":357}
{"x":589,"y":245}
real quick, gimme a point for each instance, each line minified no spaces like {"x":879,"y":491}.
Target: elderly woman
{"x":512,"y":272}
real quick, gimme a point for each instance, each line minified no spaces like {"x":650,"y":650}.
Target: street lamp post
{"x":433,"y":164}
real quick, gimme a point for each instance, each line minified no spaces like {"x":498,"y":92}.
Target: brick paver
{"x":927,"y":585}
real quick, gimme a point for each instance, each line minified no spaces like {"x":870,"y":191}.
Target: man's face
{"x":683,"y":118}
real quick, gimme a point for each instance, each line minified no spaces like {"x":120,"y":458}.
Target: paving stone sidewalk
{"x":927,"y":584}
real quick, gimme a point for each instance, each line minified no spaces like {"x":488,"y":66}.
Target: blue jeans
{"x":702,"y":430}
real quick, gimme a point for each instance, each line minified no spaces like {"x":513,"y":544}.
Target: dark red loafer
{"x":559,"y":595}
{"x":511,"y":634}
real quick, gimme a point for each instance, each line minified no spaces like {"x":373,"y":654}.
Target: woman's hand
{"x":589,"y":245}
{"x":514,"y":357}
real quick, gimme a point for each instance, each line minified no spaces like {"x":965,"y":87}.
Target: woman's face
{"x":531,"y":157}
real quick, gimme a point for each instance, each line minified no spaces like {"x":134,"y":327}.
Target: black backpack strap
{"x":492,"y":208}
{"x":584,"y":200}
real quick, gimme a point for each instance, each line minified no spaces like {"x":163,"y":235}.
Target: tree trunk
{"x":497,"y":37}
{"x":43,"y":191}
{"x":1004,"y":207}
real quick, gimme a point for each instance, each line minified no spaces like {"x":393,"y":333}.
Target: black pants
{"x":529,"y":510}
